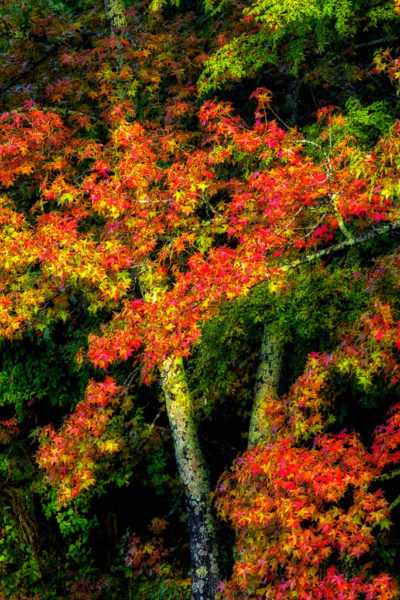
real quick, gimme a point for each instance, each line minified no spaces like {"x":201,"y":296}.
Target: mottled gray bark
{"x":191,"y":465}
{"x":194,"y":476}
{"x":116,"y":17}
{"x":266,"y":387}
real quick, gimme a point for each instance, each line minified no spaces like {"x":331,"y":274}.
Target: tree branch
{"x":388,"y":476}
{"x":394,"y":503}
{"x":353,"y":241}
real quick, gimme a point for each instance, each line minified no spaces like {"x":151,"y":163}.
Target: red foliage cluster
{"x":305,"y":506}
{"x":303,"y":520}
{"x":69,"y":455}
{"x":164,"y":217}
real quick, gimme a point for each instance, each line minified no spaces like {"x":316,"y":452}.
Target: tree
{"x":319,"y":47}
{"x":180,"y":411}
{"x":155,"y":224}
{"x":69,"y":259}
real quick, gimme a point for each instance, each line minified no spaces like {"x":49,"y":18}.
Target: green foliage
{"x":229,"y":345}
{"x":19,"y":544}
{"x":226,"y":359}
{"x":34,"y":371}
{"x":76,"y":524}
{"x":37,"y":370}
{"x":163,"y":588}
{"x":242,"y":57}
{"x":361,"y":126}
{"x":294,"y":34}
{"x":306,"y":17}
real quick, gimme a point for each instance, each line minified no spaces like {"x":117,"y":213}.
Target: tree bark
{"x":116,"y":17}
{"x":191,"y":465}
{"x":194,"y":476}
{"x":267,"y":382}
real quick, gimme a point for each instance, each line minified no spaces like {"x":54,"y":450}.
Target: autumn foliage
{"x":152,"y":180}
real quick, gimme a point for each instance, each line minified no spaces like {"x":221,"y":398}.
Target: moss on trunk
{"x":194,"y":476}
{"x":191,"y":464}
{"x":116,"y":17}
{"x":267,"y":382}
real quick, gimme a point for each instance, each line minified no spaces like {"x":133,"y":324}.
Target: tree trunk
{"x":191,"y":464}
{"x":193,"y":473}
{"x":189,"y":456}
{"x":116,"y":17}
{"x":267,"y":382}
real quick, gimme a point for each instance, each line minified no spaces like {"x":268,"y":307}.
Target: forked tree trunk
{"x":194,"y":476}
{"x":266,"y":387}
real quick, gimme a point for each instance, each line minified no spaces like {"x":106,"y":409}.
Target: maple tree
{"x":125,"y":194}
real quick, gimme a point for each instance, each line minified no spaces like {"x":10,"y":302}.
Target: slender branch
{"x":330,"y":177}
{"x":374,"y":42}
{"x":353,"y":241}
{"x":56,"y":44}
{"x":388,"y":476}
{"x":394,"y":503}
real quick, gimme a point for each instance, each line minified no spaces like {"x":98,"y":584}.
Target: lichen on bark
{"x":267,"y":382}
{"x":116,"y":17}
{"x":194,"y":476}
{"x":191,"y":464}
